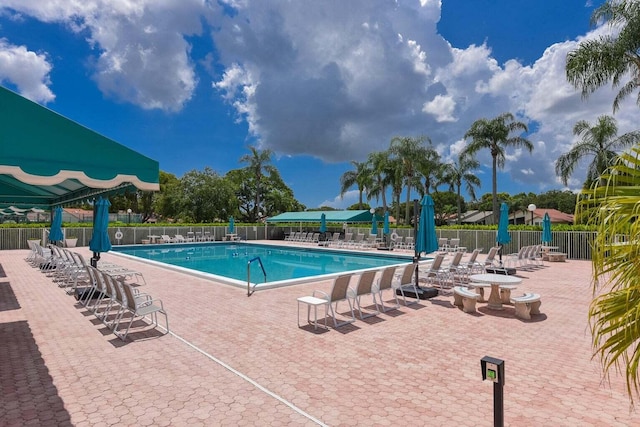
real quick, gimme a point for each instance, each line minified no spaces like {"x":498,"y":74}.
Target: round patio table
{"x":495,"y":280}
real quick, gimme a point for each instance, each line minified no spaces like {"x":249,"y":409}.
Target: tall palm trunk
{"x":494,"y":189}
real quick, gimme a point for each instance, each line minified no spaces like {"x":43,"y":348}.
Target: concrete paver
{"x":418,"y":365}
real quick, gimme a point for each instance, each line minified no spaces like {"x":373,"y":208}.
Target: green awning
{"x":331,"y":216}
{"x":47,"y":159}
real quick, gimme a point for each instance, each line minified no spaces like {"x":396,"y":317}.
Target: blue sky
{"x":192,"y":83}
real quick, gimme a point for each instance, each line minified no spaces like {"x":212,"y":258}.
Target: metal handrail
{"x":249,"y":290}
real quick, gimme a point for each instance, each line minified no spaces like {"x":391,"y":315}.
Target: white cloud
{"x":442,"y":106}
{"x":342,"y":202}
{"x":331,"y":79}
{"x":27,"y":70}
{"x":141,"y":56}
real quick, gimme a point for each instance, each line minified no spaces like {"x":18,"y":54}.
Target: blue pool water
{"x":281,"y":263}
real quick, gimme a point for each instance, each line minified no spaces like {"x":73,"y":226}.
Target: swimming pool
{"x":284,"y":265}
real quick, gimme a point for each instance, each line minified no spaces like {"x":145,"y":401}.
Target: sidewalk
{"x":238,"y":360}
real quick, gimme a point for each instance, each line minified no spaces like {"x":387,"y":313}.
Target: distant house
{"x":518,"y":217}
{"x":77,"y":215}
{"x":525,"y":217}
{"x":472,"y":217}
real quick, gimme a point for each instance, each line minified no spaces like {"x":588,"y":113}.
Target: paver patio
{"x":418,"y":365}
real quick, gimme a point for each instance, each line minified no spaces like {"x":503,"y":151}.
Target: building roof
{"x":330,"y":216}
{"x":48,"y":160}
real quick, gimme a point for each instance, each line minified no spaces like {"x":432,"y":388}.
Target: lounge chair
{"x":436,"y":274}
{"x":179,"y":238}
{"x":339,"y":292}
{"x":443,"y":244}
{"x":472,"y":264}
{"x":385,"y":282}
{"x":407,"y":279}
{"x":165,"y":238}
{"x":364,"y":287}
{"x":140,"y":306}
{"x":453,"y":245}
{"x":490,"y":260}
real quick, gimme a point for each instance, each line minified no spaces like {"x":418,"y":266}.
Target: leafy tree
{"x":258,"y":166}
{"x":411,"y":152}
{"x":486,"y":201}
{"x":167,"y":202}
{"x":611,"y":205}
{"x":610,"y":58}
{"x":358,"y":207}
{"x":206,"y":196}
{"x":460,"y":172}
{"x":445,"y":203}
{"x":360,"y":177}
{"x":598,"y":141}
{"x":495,"y":135}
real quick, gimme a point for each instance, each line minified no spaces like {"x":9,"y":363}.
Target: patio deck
{"x":234,"y":360}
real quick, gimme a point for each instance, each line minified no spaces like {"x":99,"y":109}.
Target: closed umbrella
{"x":56,"y":225}
{"x":100,"y":239}
{"x":426,"y":240}
{"x":232,"y":225}
{"x":323,"y":223}
{"x":503,"y":236}
{"x":546,"y":229}
{"x":374,"y":225}
{"x":385,"y":226}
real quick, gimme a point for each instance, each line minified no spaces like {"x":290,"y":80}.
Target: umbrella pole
{"x":416,"y":255}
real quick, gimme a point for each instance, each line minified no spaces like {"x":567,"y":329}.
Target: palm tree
{"x":494,"y":135}
{"x":395,"y":181}
{"x":461,"y":172}
{"x":379,"y":165}
{"x":611,"y":205}
{"x":598,"y":141}
{"x":361,"y":177}
{"x":610,"y":57}
{"x":430,"y":168}
{"x":411,"y":153}
{"x":258,"y":162}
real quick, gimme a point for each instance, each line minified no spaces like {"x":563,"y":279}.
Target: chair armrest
{"x":322,"y":294}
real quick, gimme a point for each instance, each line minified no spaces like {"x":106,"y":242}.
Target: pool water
{"x":281,"y":263}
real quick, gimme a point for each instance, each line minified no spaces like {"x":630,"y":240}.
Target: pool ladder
{"x":251,"y":290}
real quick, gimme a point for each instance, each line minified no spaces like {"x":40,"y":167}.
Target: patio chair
{"x":517,"y":259}
{"x":453,"y":245}
{"x":364,"y":287}
{"x":385,"y":282}
{"x":490,"y":260}
{"x":165,"y":238}
{"x":142,"y":306}
{"x":338,"y":293}
{"x":179,"y":238}
{"x":407,"y":279}
{"x":456,"y":269}
{"x":443,"y":244}
{"x":472,"y":264}
{"x":436,"y":274}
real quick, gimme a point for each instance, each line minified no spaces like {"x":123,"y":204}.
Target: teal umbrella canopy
{"x":323,"y":223}
{"x":56,"y":225}
{"x":374,"y":225}
{"x":100,"y":240}
{"x":385,"y":226}
{"x":232,"y":225}
{"x":546,"y":229}
{"x":427,"y":240}
{"x":503,"y":236}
